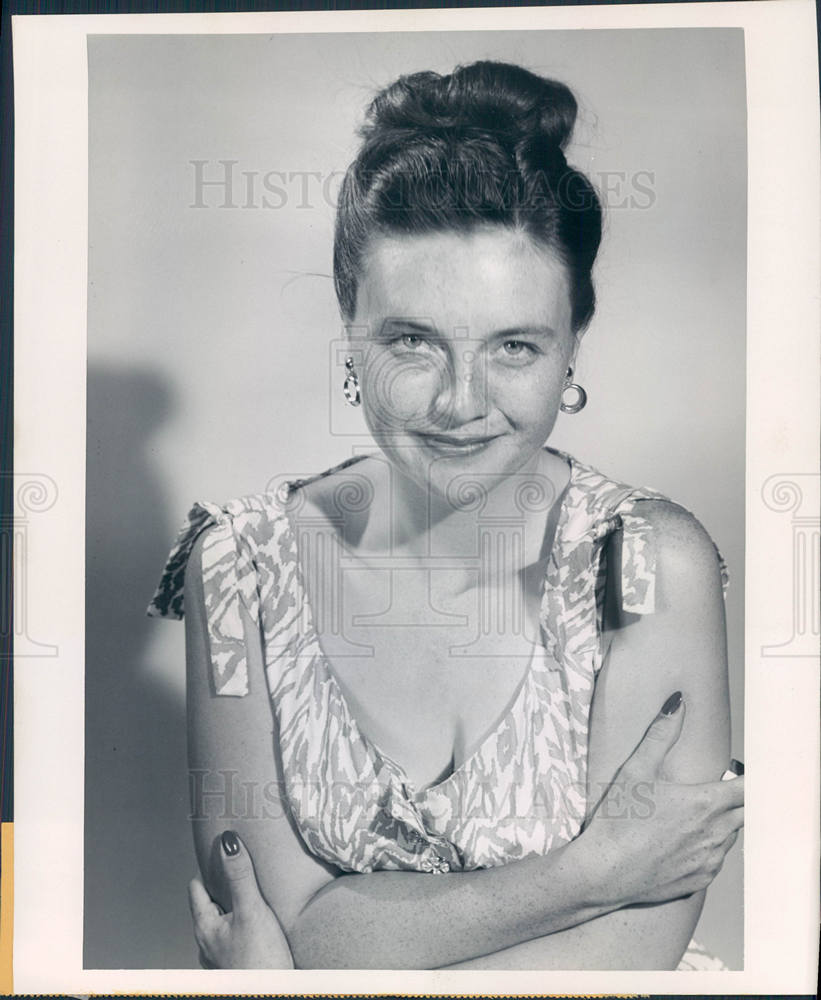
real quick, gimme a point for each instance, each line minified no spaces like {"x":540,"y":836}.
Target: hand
{"x":247,"y":937}
{"x":659,"y":840}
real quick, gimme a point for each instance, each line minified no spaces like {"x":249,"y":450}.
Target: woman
{"x":467,"y":655}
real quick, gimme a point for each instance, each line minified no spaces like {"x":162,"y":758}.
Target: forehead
{"x":490,"y":278}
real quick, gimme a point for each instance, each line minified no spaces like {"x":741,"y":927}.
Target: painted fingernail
{"x":230,"y":843}
{"x":671,"y":706}
{"x":736,"y":767}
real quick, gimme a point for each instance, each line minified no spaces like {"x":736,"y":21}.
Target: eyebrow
{"x":516,"y":332}
{"x":390,"y":324}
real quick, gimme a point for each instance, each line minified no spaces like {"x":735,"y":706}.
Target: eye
{"x":518,"y":350}
{"x":410,"y":343}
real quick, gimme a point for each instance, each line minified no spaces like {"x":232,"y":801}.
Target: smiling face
{"x":464,"y":341}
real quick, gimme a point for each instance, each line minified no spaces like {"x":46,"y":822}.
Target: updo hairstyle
{"x":483,"y":145}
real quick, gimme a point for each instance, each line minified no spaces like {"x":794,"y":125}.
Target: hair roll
{"x":482,"y":145}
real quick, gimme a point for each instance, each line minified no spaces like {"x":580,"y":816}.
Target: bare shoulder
{"x":339,"y":503}
{"x":687,"y":560}
{"x":679,"y":533}
{"x":347,"y":485}
{"x":679,"y":646}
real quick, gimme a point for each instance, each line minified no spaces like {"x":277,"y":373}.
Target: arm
{"x":681,"y":647}
{"x":235,"y":771}
{"x":386,"y":919}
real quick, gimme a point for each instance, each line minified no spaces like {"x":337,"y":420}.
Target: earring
{"x":578,"y":397}
{"x":351,"y":384}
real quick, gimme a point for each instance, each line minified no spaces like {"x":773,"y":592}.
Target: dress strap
{"x":638,"y":559}
{"x":229,"y":582}
{"x":638,"y":564}
{"x":573,"y":599}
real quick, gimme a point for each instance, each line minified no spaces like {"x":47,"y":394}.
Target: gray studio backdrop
{"x":213,"y":170}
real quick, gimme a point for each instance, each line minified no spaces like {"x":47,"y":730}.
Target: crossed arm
{"x":599,"y":902}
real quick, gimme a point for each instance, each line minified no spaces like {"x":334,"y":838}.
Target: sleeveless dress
{"x":522,"y":791}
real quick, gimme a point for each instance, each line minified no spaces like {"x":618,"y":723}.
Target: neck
{"x":421,"y":522}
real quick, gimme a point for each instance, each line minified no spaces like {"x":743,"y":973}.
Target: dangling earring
{"x":578,"y":397}
{"x":351,"y":384}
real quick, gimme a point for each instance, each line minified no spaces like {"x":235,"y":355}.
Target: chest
{"x":429,"y":657}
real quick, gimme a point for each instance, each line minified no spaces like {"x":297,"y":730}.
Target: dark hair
{"x":482,"y":145}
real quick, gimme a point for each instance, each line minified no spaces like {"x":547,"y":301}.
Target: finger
{"x":660,"y":737}
{"x":728,"y":843}
{"x":204,"y":910}
{"x":728,"y":824}
{"x":724,"y":796}
{"x":730,"y":794}
{"x":239,"y":875}
{"x":736,"y":818}
{"x":204,"y":913}
{"x":724,"y":848}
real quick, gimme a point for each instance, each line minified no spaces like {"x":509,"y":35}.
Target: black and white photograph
{"x":416,"y":504}
{"x":457,"y":686}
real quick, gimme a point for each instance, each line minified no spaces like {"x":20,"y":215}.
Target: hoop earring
{"x":351,"y":384}
{"x":578,"y":399}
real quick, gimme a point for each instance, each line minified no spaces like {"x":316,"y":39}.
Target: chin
{"x":448,"y":472}
{"x":463,"y":480}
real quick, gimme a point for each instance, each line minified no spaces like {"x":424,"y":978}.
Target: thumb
{"x":660,"y":737}
{"x":240,"y":877}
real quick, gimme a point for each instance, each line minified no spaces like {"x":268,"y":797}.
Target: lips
{"x":454,"y":445}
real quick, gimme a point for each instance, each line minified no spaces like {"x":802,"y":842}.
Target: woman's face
{"x":462,"y":342}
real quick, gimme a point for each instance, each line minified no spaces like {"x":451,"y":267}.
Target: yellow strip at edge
{"x":6,"y":906}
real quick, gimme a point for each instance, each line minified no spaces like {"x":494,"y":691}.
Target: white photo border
{"x":50,"y":283}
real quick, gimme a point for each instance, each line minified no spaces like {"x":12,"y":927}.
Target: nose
{"x":464,"y":397}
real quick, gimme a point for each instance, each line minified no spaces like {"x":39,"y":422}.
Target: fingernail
{"x":230,"y":843}
{"x":736,"y":767}
{"x":672,"y":705}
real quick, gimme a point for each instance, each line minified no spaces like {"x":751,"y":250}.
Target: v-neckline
{"x":319,"y":657}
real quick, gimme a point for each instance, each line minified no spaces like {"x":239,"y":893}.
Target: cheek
{"x":528,"y":399}
{"x":398,"y":395}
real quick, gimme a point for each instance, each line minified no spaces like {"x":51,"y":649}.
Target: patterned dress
{"x":522,"y":791}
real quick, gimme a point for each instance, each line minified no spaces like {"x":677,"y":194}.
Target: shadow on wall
{"x":138,"y":849}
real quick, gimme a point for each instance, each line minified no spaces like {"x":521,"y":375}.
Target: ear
{"x":356,"y":334}
{"x":575,"y":346}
